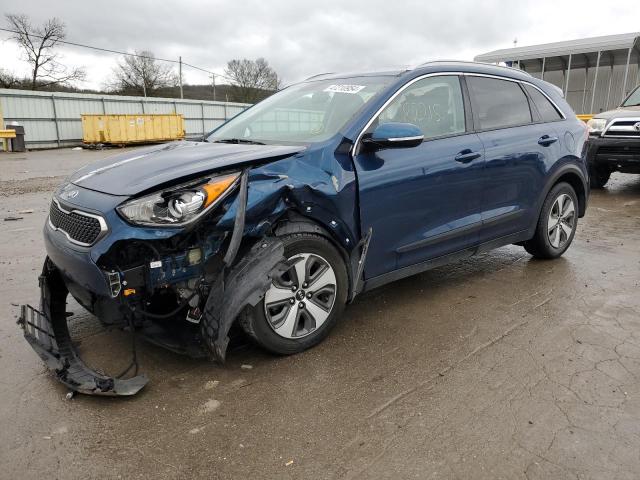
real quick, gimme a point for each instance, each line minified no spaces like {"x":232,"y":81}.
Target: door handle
{"x":466,"y":156}
{"x":546,"y":140}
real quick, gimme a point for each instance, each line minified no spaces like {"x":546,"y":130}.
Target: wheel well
{"x":294,"y":223}
{"x":576,"y":182}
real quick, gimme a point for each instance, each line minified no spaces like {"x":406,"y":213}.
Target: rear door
{"x":518,"y":149}
{"x":422,"y":202}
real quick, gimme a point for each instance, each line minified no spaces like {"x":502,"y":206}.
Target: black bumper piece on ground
{"x":48,"y":334}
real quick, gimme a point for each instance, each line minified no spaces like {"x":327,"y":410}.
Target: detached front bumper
{"x":614,"y":154}
{"x":47,"y":332}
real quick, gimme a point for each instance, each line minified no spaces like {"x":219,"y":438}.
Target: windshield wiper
{"x":238,"y":140}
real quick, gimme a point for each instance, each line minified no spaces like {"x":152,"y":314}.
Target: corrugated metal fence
{"x":53,"y":119}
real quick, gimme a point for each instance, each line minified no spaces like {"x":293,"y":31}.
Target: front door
{"x":422,"y":202}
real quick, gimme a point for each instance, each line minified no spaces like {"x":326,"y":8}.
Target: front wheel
{"x":557,"y":223}
{"x":303,"y":304}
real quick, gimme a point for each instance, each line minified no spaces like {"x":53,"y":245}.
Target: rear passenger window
{"x":547,"y":111}
{"x":498,"y":103}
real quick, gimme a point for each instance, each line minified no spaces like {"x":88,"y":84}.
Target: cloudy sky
{"x":301,"y":38}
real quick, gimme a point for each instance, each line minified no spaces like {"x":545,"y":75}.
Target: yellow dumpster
{"x":126,"y":129}
{"x":585,"y":117}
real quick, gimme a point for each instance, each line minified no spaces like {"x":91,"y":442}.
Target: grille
{"x":615,"y":150}
{"x":629,"y":128}
{"x":80,"y":228}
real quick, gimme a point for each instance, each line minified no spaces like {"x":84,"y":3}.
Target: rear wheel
{"x":303,"y":304}
{"x":598,"y":177}
{"x":557,"y":223}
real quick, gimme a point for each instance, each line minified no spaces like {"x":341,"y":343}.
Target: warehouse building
{"x":595,"y":74}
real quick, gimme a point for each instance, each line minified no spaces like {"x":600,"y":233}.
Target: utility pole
{"x":180,"y":75}
{"x":213,"y":84}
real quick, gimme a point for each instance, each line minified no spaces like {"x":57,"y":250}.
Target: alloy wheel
{"x":301,"y":299}
{"x":562,"y":221}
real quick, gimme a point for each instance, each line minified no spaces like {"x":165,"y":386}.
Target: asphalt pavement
{"x":500,"y":366}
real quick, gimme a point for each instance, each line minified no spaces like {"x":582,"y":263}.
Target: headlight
{"x":596,"y":125}
{"x":178,"y":205}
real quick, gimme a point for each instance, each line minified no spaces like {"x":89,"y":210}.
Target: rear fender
{"x":574,"y":176}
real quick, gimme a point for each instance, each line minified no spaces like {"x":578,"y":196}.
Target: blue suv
{"x":279,"y":217}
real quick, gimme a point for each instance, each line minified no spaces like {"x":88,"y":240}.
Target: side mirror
{"x":395,"y":135}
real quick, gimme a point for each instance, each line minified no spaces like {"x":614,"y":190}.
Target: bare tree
{"x":252,"y":80}
{"x":9,"y":80}
{"x":142,"y":75}
{"x":38,"y":44}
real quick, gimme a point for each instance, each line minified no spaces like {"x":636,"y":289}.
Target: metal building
{"x":595,"y":74}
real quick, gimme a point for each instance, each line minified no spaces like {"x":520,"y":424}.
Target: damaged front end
{"x":47,"y":332}
{"x":185,"y":301}
{"x":183,"y":287}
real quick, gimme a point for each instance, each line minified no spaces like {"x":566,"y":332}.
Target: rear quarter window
{"x":548,"y":113}
{"x":498,"y":103}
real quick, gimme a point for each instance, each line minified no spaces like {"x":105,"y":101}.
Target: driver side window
{"x":434,"y":104}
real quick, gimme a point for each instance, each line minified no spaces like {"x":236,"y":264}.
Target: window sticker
{"x":344,"y":88}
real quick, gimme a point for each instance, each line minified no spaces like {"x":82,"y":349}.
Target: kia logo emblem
{"x":636,"y":127}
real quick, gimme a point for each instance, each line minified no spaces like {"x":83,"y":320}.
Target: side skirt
{"x":411,"y":270}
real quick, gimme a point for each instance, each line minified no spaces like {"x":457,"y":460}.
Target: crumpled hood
{"x":142,"y":169}
{"x":622,"y":112}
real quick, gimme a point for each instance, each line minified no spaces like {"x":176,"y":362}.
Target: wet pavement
{"x":496,"y":367}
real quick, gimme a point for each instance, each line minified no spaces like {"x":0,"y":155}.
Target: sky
{"x":301,"y":38}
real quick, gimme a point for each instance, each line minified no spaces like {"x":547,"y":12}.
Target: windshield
{"x":634,"y":98}
{"x":306,"y":112}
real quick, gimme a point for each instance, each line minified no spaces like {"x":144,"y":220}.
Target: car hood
{"x":143,"y":169}
{"x":622,"y":112}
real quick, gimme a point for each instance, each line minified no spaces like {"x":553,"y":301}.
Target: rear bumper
{"x":614,"y":154}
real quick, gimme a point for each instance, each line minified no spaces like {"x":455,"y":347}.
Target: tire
{"x":270,"y":322}
{"x":598,"y":177}
{"x":551,"y":239}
